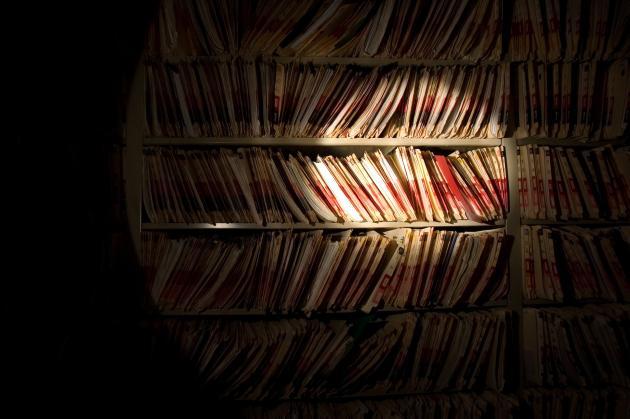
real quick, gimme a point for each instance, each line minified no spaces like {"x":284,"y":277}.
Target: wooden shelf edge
{"x":542,"y":303}
{"x":266,"y":314}
{"x":575,"y":222}
{"x":569,"y":142}
{"x":373,"y":395}
{"x":322,"y":142}
{"x":573,"y":387}
{"x":362,"y":61}
{"x":319,"y":226}
{"x":286,"y":59}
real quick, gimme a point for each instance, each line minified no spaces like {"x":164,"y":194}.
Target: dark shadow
{"x":72,"y":316}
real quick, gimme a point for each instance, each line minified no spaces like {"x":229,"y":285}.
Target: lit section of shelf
{"x":317,"y":226}
{"x":324,"y":142}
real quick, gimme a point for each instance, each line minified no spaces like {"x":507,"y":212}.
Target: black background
{"x":71,"y":323}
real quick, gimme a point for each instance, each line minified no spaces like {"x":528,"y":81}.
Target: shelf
{"x":590,"y":387}
{"x":318,"y":226}
{"x":361,"y":61}
{"x":378,"y":61}
{"x":410,"y":393}
{"x":541,"y":303}
{"x":343,"y":313}
{"x":323,"y":142}
{"x":568,"y":142}
{"x":516,"y":357}
{"x":374,"y":394}
{"x":575,"y":222}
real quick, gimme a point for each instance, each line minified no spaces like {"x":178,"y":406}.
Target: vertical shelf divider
{"x":513,"y":228}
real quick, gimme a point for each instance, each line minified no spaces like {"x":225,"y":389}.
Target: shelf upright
{"x":513,"y":228}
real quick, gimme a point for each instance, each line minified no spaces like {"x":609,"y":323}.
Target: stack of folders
{"x":461,"y":30}
{"x":242,"y":97}
{"x":559,"y":183}
{"x":570,"y":30}
{"x":573,"y":263}
{"x":613,"y":403}
{"x":254,"y":185}
{"x":435,"y":406}
{"x":312,"y":271}
{"x":299,"y":358}
{"x":561,"y":100}
{"x":582,"y":347}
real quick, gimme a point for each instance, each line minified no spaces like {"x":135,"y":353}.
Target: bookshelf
{"x":138,"y":140}
{"x":316,"y":226}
